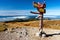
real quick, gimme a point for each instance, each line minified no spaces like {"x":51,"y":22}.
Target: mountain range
{"x":28,"y":17}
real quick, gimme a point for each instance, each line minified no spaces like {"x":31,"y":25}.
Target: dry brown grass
{"x":55,"y":24}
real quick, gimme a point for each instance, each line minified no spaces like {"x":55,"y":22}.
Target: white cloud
{"x":52,"y":12}
{"x":26,"y":12}
{"x":14,"y":12}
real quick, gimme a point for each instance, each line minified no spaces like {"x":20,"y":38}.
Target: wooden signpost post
{"x":41,"y":10}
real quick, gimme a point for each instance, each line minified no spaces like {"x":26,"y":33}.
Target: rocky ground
{"x":28,"y":30}
{"x":28,"y":33}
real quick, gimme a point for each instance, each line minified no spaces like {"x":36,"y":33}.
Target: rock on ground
{"x":28,"y":33}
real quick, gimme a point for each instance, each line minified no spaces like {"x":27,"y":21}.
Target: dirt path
{"x":29,"y":33}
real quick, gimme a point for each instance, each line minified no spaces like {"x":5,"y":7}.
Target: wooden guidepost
{"x":41,"y":11}
{"x":41,"y":21}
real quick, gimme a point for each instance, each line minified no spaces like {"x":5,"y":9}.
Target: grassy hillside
{"x":54,"y":24}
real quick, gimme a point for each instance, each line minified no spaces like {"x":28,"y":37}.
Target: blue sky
{"x":23,"y":7}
